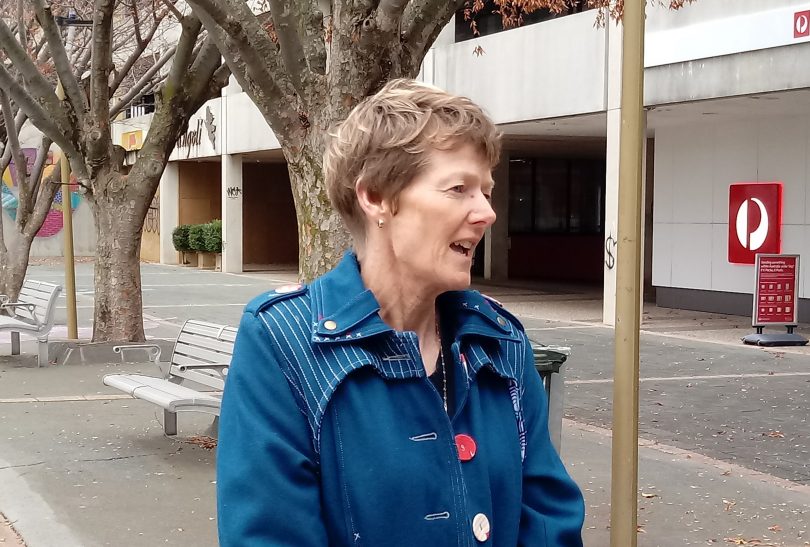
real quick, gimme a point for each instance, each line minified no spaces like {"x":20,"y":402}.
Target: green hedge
{"x":180,"y":238}
{"x":196,"y":237}
{"x":202,"y":238}
{"x":213,"y":236}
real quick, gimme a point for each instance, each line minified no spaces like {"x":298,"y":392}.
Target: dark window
{"x":488,"y":20}
{"x":556,"y":195}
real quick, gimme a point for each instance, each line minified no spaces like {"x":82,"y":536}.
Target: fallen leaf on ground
{"x":203,"y":441}
{"x":646,"y":495}
{"x":640,"y":529}
{"x":774,"y":434}
{"x":742,"y":541}
{"x":727,"y":473}
{"x":775,"y":528}
{"x":729,"y":505}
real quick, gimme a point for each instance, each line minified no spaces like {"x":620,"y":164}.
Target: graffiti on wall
{"x":53,"y":222}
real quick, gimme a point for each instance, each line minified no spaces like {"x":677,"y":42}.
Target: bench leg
{"x":169,"y":422}
{"x":42,"y":352}
{"x":15,"y":343}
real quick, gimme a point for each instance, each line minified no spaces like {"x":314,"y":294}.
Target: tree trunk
{"x":119,"y":215}
{"x":322,"y":237}
{"x":14,"y":267}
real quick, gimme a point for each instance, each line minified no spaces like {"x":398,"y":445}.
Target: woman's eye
{"x":458,"y":188}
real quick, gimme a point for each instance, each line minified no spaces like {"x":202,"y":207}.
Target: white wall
{"x":550,"y":69}
{"x":694,"y":167}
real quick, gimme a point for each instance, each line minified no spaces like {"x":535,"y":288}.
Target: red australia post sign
{"x":776,"y":292}
{"x":754,"y":220}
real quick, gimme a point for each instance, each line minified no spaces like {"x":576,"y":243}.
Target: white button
{"x":481,"y":527}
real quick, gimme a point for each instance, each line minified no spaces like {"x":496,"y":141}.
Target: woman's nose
{"x":482,"y":212}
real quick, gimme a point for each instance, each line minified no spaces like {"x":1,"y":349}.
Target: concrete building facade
{"x":727,"y":101}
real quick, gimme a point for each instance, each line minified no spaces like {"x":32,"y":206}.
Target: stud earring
{"x":380,"y":222}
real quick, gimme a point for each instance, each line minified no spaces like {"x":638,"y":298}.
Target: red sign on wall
{"x":754,"y":220}
{"x":775,"y":294}
{"x":801,"y":24}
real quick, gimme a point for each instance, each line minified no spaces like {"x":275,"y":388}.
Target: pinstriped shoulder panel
{"x":313,"y":371}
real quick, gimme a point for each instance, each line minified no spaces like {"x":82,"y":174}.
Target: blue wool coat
{"x":331,"y":433}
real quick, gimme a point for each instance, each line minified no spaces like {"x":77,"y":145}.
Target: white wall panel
{"x":692,"y":256}
{"x":781,"y":157}
{"x":728,"y":277}
{"x":735,"y":156}
{"x":663,"y":183}
{"x":662,"y":254}
{"x":716,"y":155}
{"x":691,"y":174}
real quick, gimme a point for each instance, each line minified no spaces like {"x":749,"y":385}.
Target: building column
{"x":232,"y":213}
{"x":169,"y":211}
{"x":496,"y":250}
{"x":614,"y":124}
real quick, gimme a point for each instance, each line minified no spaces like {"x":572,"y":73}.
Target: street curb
{"x":8,"y":535}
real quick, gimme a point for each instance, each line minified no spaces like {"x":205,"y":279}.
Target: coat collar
{"x":343,"y":309}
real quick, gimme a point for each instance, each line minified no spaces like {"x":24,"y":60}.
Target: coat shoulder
{"x":268,"y":299}
{"x":500,"y":309}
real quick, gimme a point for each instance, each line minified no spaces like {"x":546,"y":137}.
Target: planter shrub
{"x":213,"y":236}
{"x":196,"y":237}
{"x":180,"y":238}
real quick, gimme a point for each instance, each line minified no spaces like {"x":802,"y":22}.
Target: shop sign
{"x":777,"y":277}
{"x":755,"y":220}
{"x":132,"y":140}
{"x":801,"y":24}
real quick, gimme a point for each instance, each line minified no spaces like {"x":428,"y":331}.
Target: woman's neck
{"x":405,"y":304}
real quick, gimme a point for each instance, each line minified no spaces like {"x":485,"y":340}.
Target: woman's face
{"x":441,"y":217}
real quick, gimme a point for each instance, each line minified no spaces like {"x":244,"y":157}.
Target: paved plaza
{"x":724,"y":451}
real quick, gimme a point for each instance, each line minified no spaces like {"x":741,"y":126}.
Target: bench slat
{"x":195,"y":340}
{"x":210,"y":330}
{"x":168,"y":395}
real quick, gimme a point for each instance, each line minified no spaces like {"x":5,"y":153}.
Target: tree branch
{"x":42,"y":119}
{"x":143,"y":42}
{"x":98,"y":136}
{"x":36,"y":83}
{"x":286,"y":16}
{"x":252,"y":43}
{"x":44,"y":198}
{"x":20,"y":163}
{"x":60,"y":59}
{"x":422,"y":21}
{"x":389,"y":13}
{"x":140,"y":86}
{"x":35,"y":176}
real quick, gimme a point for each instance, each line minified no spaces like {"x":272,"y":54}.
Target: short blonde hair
{"x":386,"y":140}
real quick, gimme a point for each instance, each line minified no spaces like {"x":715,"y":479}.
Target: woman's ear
{"x":371,"y":203}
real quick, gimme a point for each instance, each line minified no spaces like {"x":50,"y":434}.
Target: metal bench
{"x":201,"y":356}
{"x":32,"y":314}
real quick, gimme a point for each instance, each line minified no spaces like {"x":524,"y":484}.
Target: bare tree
{"x":306,"y":63}
{"x":81,"y":126}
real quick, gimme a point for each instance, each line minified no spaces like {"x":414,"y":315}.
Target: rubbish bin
{"x":548,"y":361}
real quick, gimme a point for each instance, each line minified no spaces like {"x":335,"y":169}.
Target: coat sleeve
{"x":267,"y":484}
{"x":553,"y":506}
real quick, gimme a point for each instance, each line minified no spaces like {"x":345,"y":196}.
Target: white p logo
{"x":752,"y":240}
{"x":802,"y":22}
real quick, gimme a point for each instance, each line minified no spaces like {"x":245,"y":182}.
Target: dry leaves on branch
{"x":774,"y":435}
{"x":203,"y":441}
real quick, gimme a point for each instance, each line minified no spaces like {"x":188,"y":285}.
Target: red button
{"x":466,"y":447}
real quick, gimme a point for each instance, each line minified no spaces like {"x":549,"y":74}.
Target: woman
{"x":385,"y":404}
